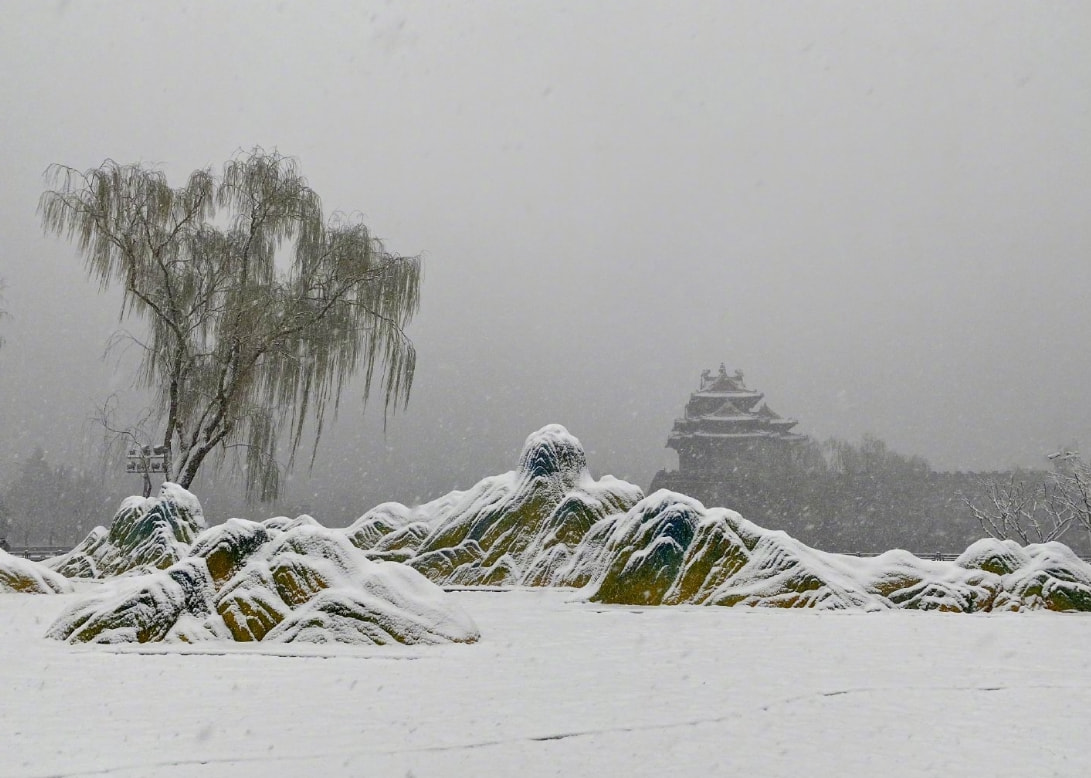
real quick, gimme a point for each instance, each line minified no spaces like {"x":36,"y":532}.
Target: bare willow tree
{"x":258,"y":308}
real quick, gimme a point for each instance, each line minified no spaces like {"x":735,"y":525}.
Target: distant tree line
{"x":864,"y":497}
{"x":836,"y":495}
{"x":46,"y":504}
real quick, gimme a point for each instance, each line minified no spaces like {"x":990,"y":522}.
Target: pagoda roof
{"x":729,"y":394}
{"x":724,"y":408}
{"x":722,"y":382}
{"x":772,"y":417}
{"x":729,"y":411}
{"x":736,"y":435}
{"x":765,"y":411}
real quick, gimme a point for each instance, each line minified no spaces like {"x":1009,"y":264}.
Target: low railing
{"x":930,"y":556}
{"x":38,"y":553}
{"x":935,"y":557}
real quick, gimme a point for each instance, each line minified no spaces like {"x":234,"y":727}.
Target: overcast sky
{"x":881,"y":212}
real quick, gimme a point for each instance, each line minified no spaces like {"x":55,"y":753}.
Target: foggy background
{"x":879,"y":212}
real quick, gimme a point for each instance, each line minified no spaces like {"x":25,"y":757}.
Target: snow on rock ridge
{"x":517,"y":528}
{"x":273,"y":581}
{"x":146,"y":534}
{"x":22,"y":575}
{"x":670,"y":549}
{"x":546,"y":523}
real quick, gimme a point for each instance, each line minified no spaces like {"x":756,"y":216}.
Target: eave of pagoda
{"x":730,"y":422}
{"x":683,"y":439}
{"x":707,"y":403}
{"x":732,"y":395}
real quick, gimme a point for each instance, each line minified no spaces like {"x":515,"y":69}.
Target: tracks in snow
{"x":145,"y":767}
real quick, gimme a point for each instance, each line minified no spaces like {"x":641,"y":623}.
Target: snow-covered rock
{"x":518,"y":528}
{"x":22,"y":575}
{"x":1049,"y":577}
{"x":392,"y":531}
{"x":402,"y":544}
{"x":546,"y":523}
{"x":140,"y":609}
{"x":377,"y":523}
{"x":670,"y":549}
{"x":146,"y":534}
{"x":274,"y":581}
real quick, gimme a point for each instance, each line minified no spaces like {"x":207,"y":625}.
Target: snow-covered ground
{"x":563,"y":688}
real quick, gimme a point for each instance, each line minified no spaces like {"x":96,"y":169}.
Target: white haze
{"x":878,"y":211}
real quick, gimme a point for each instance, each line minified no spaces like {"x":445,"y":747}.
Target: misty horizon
{"x":877,"y":213}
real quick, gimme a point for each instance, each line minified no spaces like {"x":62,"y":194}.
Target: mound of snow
{"x":518,"y":528}
{"x":274,"y":581}
{"x":670,"y":549}
{"x":146,"y":534}
{"x":22,"y":575}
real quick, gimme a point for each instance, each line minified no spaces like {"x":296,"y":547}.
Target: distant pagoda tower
{"x":724,"y":423}
{"x":725,"y":434}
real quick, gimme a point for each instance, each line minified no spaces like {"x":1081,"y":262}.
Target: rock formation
{"x":670,"y":549}
{"x":546,"y":523}
{"x":146,"y":534}
{"x":518,"y":528}
{"x":22,"y":575}
{"x":275,"y":581}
